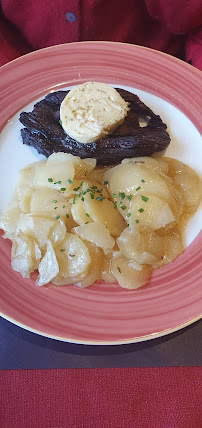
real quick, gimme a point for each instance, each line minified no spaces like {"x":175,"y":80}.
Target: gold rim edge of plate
{"x":106,"y":343}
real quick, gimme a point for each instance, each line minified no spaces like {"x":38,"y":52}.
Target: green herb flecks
{"x":121,"y":195}
{"x":144,"y":198}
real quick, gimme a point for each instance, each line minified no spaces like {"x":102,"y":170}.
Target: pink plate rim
{"x":103,"y":314}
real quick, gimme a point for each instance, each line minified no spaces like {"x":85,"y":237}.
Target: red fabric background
{"x":101,"y":398}
{"x":165,"y":25}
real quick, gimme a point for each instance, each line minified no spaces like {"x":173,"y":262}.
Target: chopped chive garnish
{"x":57,"y":217}
{"x":128,"y":225}
{"x":113,"y":195}
{"x":84,"y":192}
{"x":67,"y":215}
{"x":87,"y":215}
{"x":129,"y":214}
{"x":82,"y":199}
{"x":143,"y":181}
{"x":121,"y":195}
{"x":129,"y":197}
{"x":86,"y":222}
{"x":69,"y":181}
{"x":81,"y":183}
{"x":144,"y":198}
{"x":63,"y":189}
{"x":63,"y":206}
{"x":138,"y":188}
{"x":73,"y":199}
{"x":50,"y":180}
{"x":123,"y":207}
{"x":119,"y":269}
{"x":99,"y":191}
{"x":137,"y":221}
{"x":141,"y":210}
{"x":115,"y":204}
{"x":91,"y":195}
{"x":79,"y":194}
{"x":105,"y":182}
{"x":62,"y":250}
{"x":58,"y":182}
{"x":99,"y":198}
{"x":54,"y":201}
{"x":55,"y":208}
{"x":60,"y":122}
{"x":93,"y":187}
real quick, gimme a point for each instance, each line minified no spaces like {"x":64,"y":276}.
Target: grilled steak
{"x":44,"y":132}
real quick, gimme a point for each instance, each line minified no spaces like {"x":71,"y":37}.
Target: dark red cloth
{"x":170,"y":26}
{"x":101,"y":398}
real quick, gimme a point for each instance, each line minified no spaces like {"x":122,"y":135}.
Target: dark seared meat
{"x":44,"y":132}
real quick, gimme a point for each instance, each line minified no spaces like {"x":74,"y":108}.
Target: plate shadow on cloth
{"x":21,"y":349}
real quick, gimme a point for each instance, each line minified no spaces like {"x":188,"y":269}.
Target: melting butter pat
{"x":91,"y":111}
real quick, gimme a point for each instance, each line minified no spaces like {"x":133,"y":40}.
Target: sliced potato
{"x":23,"y":194}
{"x":187,"y":182}
{"x":97,"y":175}
{"x":157,"y":164}
{"x":96,"y":233}
{"x":35,"y":227}
{"x":84,"y":167}
{"x":45,"y":200}
{"x":156,"y":212}
{"x":73,"y":257}
{"x":54,"y":174}
{"x":129,"y":275}
{"x":106,"y":273}
{"x":48,"y":267}
{"x":96,"y":255}
{"x":9,"y":220}
{"x":79,"y":213}
{"x":173,"y":247}
{"x":95,"y":188}
{"x":105,"y":213}
{"x":26,"y":175}
{"x":25,"y":255}
{"x":141,"y":244}
{"x":133,"y":179}
{"x":57,"y":232}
